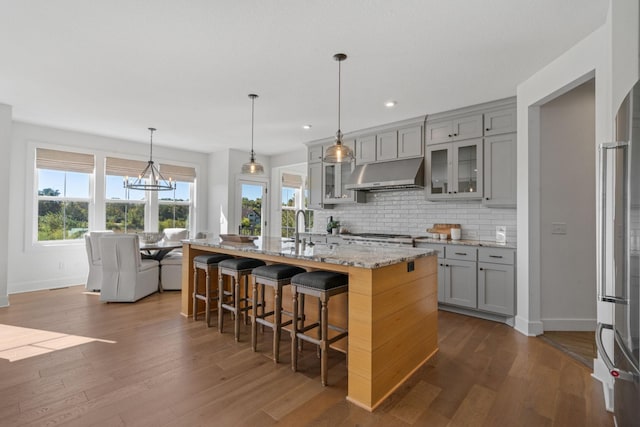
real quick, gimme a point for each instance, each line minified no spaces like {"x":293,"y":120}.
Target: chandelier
{"x":150,"y":179}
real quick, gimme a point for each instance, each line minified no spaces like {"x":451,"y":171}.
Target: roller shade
{"x":178,"y":173}
{"x":291,"y":180}
{"x":64,"y":160}
{"x":124,"y":167}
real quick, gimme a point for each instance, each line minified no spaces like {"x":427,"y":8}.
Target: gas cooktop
{"x":382,"y":235}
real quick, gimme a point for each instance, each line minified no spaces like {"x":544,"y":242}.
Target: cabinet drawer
{"x":464,"y":253}
{"x":496,"y":255}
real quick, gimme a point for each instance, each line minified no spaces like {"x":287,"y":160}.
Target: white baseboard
{"x":41,"y":285}
{"x":530,"y":329}
{"x":569,"y":324}
{"x":4,"y":301}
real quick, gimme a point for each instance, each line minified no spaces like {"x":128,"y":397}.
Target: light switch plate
{"x":559,"y":228}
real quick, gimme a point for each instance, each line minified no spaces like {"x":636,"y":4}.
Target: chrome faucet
{"x":304,"y":223}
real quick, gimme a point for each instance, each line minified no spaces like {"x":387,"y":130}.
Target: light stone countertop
{"x":350,"y":255}
{"x":466,"y":242}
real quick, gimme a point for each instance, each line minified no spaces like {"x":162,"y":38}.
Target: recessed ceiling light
{"x":306,"y":127}
{"x":390,"y":104}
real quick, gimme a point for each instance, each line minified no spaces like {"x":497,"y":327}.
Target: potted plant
{"x":334,"y":226}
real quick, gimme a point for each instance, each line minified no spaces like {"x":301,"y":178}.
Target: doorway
{"x":568,"y":211}
{"x":252,"y":221}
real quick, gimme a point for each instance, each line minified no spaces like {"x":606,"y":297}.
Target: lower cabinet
{"x":476,"y":278}
{"x":460,"y":283}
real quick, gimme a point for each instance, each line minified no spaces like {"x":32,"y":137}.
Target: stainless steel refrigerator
{"x":620,"y":252}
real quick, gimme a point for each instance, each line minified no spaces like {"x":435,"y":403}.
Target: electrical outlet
{"x":559,"y":228}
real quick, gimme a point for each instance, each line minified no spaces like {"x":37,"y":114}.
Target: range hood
{"x":403,"y":174}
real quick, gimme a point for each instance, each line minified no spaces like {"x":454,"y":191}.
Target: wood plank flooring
{"x":157,"y":368}
{"x":577,"y":344}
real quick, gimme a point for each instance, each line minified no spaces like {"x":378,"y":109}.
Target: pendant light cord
{"x":339,"y":90}
{"x":151,"y":145}
{"x":252,"y":103}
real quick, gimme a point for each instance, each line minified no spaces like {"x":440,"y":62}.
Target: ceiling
{"x":117,"y":67}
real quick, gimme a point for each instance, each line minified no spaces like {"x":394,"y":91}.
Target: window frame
{"x":35,"y":200}
{"x":189,"y":203}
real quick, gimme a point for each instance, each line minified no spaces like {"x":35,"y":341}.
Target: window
{"x":291,"y":201}
{"x":175,"y":207}
{"x":125,"y":208}
{"x":63,"y":195}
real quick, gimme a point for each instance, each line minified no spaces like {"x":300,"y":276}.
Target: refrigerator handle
{"x":602,"y":163}
{"x":615,"y":372}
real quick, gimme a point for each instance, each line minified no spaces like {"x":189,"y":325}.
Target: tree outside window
{"x":174,"y":207}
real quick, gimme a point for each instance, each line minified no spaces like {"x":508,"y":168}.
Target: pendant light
{"x":338,"y":153}
{"x":252,"y":167}
{"x":150,"y":179}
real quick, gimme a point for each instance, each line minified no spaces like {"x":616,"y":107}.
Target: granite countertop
{"x":466,"y":242}
{"x":350,"y":255}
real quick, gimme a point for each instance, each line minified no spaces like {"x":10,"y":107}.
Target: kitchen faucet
{"x":304,"y":223}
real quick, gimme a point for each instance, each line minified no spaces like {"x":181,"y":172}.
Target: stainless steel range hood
{"x":403,"y":174}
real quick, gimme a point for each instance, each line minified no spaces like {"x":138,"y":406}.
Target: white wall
{"x":5,"y":190}
{"x":567,"y":188}
{"x":34,"y":266}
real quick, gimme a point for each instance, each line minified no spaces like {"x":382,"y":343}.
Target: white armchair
{"x":171,"y":265}
{"x":91,"y":240}
{"x":126,"y":277}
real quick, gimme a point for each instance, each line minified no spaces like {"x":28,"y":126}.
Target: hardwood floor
{"x":154,"y":367}
{"x":579,"y":345}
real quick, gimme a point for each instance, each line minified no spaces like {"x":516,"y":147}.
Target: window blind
{"x":64,"y":160}
{"x":124,"y":167}
{"x":291,"y":180}
{"x":178,"y":173}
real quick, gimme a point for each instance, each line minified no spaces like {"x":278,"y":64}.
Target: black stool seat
{"x":277,"y":271}
{"x":321,"y":280}
{"x":241,"y":263}
{"x":211,"y":259}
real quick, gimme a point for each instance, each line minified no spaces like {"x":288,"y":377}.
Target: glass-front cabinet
{"x":336,"y":176}
{"x":454,"y":170}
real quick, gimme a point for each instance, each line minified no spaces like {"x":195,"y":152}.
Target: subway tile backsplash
{"x":407,"y":212}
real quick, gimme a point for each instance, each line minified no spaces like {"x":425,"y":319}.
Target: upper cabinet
{"x":314,"y":154}
{"x":335,"y":177}
{"x":471,"y":153}
{"x":390,"y":144}
{"x":455,"y":129}
{"x":500,"y":121}
{"x":454,"y":170}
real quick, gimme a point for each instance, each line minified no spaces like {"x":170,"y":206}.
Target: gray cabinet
{"x":496,"y":280}
{"x":387,"y":146}
{"x":390,"y":145}
{"x":460,"y":283}
{"x":335,"y":177}
{"x":500,"y":121}
{"x":454,"y":170}
{"x":315,"y":187}
{"x":314,"y":154}
{"x":410,"y":142}
{"x":457,"y":129}
{"x":365,"y":149}
{"x":500,"y":171}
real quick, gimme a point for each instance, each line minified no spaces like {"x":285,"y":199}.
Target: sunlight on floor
{"x":18,"y":343}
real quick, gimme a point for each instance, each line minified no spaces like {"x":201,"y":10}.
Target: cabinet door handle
{"x":486,"y":198}
{"x":441,"y":265}
{"x":495,"y":256}
{"x":455,"y":134}
{"x":446,"y":265}
{"x":449,"y":192}
{"x":481,"y":269}
{"x":487,"y":129}
{"x":450,"y":135}
{"x":455,"y":192}
{"x":461,"y":253}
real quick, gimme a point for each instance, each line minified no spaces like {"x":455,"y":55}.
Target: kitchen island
{"x":391,"y":310}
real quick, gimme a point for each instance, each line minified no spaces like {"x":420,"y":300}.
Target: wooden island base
{"x":392,"y":318}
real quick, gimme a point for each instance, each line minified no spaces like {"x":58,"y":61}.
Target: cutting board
{"x":443,"y":229}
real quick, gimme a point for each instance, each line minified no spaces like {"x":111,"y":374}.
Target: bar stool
{"x":208,"y":263}
{"x":322,"y":285}
{"x":275,"y":276}
{"x":238,"y":269}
